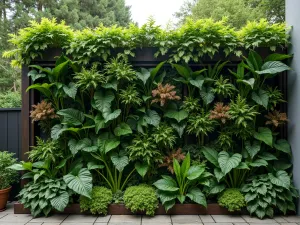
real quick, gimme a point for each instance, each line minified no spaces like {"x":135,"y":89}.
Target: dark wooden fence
{"x":10,"y":131}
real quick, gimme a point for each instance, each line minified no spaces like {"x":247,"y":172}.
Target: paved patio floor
{"x":9,"y":218}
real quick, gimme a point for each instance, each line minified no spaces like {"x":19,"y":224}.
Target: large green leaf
{"x":166,"y":196}
{"x":155,"y":70}
{"x":141,"y":168}
{"x":80,"y":182}
{"x":109,"y":116}
{"x":185,"y":167}
{"x":60,"y":202}
{"x":227,"y":162}
{"x":103,"y":99}
{"x":281,"y":179}
{"x":60,"y":70}
{"x":43,"y":88}
{"x":277,"y":57}
{"x":99,"y":122}
{"x":196,"y":195}
{"x":151,"y":117}
{"x":107,"y":142}
{"x":195,"y":172}
{"x":273,"y":67}
{"x":254,"y":60}
{"x":211,"y":155}
{"x":198,"y":82}
{"x":70,"y":90}
{"x":252,"y":149}
{"x":250,"y":82}
{"x":207,"y":95}
{"x":143,"y":75}
{"x":218,"y":174}
{"x":71,"y":116}
{"x":122,"y":129}
{"x":261,"y":97}
{"x":283,"y":146}
{"x":177,"y":115}
{"x":166,"y":185}
{"x":35,"y":75}
{"x":182,"y":71}
{"x":120,"y":160}
{"x":264,"y":134}
{"x":56,"y":131}
{"x":267,"y":156}
{"x":259,"y":163}
{"x":179,"y":128}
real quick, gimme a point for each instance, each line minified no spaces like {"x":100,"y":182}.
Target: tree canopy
{"x":238,"y":12}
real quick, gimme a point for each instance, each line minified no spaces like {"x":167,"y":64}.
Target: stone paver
{"x":16,"y":218}
{"x":80,"y":219}
{"x":125,"y":219}
{"x":250,"y":219}
{"x":292,"y":219}
{"x":206,"y":219}
{"x":227,"y":219}
{"x":185,"y":219}
{"x":156,"y":219}
{"x":103,"y":219}
{"x":218,"y":223}
{"x":50,"y":219}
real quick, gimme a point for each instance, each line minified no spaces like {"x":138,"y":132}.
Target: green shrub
{"x":100,"y":199}
{"x":7,"y":176}
{"x":10,"y":99}
{"x":232,"y":199}
{"x":267,"y":192}
{"x":44,"y":195}
{"x":141,"y":198}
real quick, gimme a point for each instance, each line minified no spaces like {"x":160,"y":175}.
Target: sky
{"x":161,"y":10}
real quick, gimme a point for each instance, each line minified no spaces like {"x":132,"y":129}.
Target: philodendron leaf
{"x":60,"y":202}
{"x":195,"y":172}
{"x":93,"y":166}
{"x":273,"y":67}
{"x":261,"y":97}
{"x":283,"y":146}
{"x":177,"y":115}
{"x":252,"y":149}
{"x":122,"y":129}
{"x":71,"y":116}
{"x":141,"y":168}
{"x":211,"y":155}
{"x":109,"y":116}
{"x":99,"y":122}
{"x":111,"y":85}
{"x":35,"y":75}
{"x":179,"y":128}
{"x":152,"y":118}
{"x":259,"y":163}
{"x":198,"y":82}
{"x":166,"y":184}
{"x":56,"y":131}
{"x":281,"y":179}
{"x":218,"y":174}
{"x":120,"y":160}
{"x":80,"y":182}
{"x":107,"y":142}
{"x":103,"y":100}
{"x":196,"y":195}
{"x":43,"y":88}
{"x":264,"y":134}
{"x":143,"y":75}
{"x":249,"y":82}
{"x":227,"y":162}
{"x":207,"y":95}
{"x":277,"y":57}
{"x":70,"y":90}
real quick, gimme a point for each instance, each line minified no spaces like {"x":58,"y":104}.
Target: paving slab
{"x":256,"y":220}
{"x":75,"y":223}
{"x":16,"y":218}
{"x":206,"y":219}
{"x":288,"y":223}
{"x":124,"y":219}
{"x":80,"y":219}
{"x":103,"y":219}
{"x":156,"y":219}
{"x":292,"y":219}
{"x":40,"y":223}
{"x":188,"y":223}
{"x":227,"y":219}
{"x":50,"y":219}
{"x":185,"y":219}
{"x":218,"y":223}
{"x":12,"y":223}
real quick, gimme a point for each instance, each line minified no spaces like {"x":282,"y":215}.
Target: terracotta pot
{"x":4,"y":194}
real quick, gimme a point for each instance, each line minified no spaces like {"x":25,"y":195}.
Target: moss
{"x":98,"y":204}
{"x":141,"y":198}
{"x":232,"y":199}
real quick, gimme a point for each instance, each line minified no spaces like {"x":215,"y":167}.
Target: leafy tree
{"x":238,"y":12}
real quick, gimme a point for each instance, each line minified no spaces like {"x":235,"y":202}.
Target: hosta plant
{"x":45,"y":195}
{"x":185,"y":185}
{"x":265,"y":193}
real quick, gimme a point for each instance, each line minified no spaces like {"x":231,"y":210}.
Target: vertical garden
{"x":146,"y":116}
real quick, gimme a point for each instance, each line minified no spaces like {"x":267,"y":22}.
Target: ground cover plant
{"x":182,"y":133}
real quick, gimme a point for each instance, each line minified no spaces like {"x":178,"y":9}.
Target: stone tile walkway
{"x":9,"y":218}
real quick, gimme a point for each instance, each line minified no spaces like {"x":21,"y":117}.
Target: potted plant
{"x":7,"y":177}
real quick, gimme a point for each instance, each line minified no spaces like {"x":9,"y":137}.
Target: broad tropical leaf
{"x":70,"y":90}
{"x":71,"y":116}
{"x":109,"y":116}
{"x":177,"y":115}
{"x":273,"y":67}
{"x":207,"y":95}
{"x":264,"y":134}
{"x":120,"y":160}
{"x":261,"y":98}
{"x":179,"y":128}
{"x":143,"y":75}
{"x":141,"y":168}
{"x":249,"y":82}
{"x":43,"y":88}
{"x":103,"y":100}
{"x":166,"y":185}
{"x":80,"y":182}
{"x":60,"y":202}
{"x":283,"y":146}
{"x":196,"y":195}
{"x":122,"y":129}
{"x":227,"y":162}
{"x":152,"y":118}
{"x":281,"y":179}
{"x":252,"y":149}
{"x":211,"y":155}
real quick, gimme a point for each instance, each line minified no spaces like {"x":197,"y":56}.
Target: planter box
{"x":120,"y":209}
